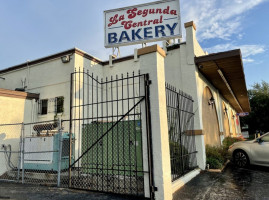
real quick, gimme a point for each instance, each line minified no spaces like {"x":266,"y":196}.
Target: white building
{"x":216,"y":83}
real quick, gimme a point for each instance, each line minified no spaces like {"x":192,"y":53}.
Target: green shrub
{"x":213,"y":163}
{"x":175,"y":154}
{"x":215,"y":152}
{"x":228,"y":141}
{"x":216,"y":156}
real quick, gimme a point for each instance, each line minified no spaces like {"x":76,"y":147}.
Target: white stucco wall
{"x":50,"y":79}
{"x":12,"y":112}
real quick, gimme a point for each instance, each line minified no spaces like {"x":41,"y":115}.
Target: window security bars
{"x":180,"y":118}
{"x":52,"y":105}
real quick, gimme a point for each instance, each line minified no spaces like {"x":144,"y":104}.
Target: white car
{"x":254,"y":152}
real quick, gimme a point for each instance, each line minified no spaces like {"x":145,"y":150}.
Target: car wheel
{"x":241,"y":159}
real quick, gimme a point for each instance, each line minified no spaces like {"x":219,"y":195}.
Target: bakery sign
{"x":143,"y":23}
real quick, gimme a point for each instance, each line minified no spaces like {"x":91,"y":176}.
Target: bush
{"x":228,"y":141}
{"x":175,"y":154}
{"x":214,"y":163}
{"x":215,"y":152}
{"x":216,"y":156}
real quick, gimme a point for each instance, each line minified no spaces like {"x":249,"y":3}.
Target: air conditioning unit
{"x":42,"y":152}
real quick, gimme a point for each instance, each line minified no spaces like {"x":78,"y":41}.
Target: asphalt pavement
{"x":232,"y":184}
{"x":18,"y":191}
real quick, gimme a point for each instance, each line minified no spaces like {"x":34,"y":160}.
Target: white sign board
{"x":143,"y":23}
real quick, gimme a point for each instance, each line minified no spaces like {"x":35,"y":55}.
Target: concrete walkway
{"x":232,"y":184}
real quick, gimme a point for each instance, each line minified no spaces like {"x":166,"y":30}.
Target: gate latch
{"x":148,"y":82}
{"x":153,"y":188}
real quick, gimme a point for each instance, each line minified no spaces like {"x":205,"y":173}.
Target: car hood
{"x":245,"y":142}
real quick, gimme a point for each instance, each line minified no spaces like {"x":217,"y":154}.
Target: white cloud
{"x":248,"y":60}
{"x":247,"y":50}
{"x":217,"y":18}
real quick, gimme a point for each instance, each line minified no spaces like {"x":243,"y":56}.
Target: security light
{"x":65,"y":59}
{"x":211,"y":101}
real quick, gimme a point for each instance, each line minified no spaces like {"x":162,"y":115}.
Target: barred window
{"x":44,"y":106}
{"x":52,"y":105}
{"x":59,"y":104}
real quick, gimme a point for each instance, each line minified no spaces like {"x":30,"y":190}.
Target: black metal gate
{"x":180,"y":118}
{"x":108,"y":136}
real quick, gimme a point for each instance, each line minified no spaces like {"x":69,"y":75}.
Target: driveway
{"x":232,"y":184}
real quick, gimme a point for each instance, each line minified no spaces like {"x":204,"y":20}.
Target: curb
{"x":219,"y":170}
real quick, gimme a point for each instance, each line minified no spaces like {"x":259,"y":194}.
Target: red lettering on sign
{"x":132,"y":13}
{"x":129,"y":24}
{"x":115,"y":20}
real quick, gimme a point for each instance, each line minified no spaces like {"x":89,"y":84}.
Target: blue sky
{"x":32,"y":29}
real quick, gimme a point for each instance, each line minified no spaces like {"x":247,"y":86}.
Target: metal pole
{"x":23,"y":143}
{"x":60,"y":153}
{"x":149,"y":136}
{"x":180,"y":132}
{"x":20,"y":156}
{"x":70,"y":130}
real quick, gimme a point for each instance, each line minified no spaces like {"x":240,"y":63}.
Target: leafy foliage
{"x":216,"y":156}
{"x":177,"y":161}
{"x":214,"y":163}
{"x":228,"y":141}
{"x":258,"y":119}
{"x":215,"y":152}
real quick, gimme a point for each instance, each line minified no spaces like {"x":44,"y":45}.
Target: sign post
{"x":155,"y":21}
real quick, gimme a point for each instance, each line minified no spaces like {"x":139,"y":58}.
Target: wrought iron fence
{"x":181,"y":135}
{"x":107,"y":141}
{"x":104,"y":146}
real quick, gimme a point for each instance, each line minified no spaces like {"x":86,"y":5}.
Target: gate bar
{"x":70,"y":130}
{"x":149,"y":136}
{"x":70,"y":166}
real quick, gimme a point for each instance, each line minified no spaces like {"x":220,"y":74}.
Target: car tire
{"x":240,"y":158}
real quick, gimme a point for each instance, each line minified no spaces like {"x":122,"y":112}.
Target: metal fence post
{"x":59,"y":153}
{"x":70,"y":130}
{"x":180,"y":131}
{"x":149,"y":137}
{"x":22,"y":152}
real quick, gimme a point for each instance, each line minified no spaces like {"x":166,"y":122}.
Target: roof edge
{"x":50,"y":57}
{"x":79,"y":52}
{"x":216,"y":56}
{"x":18,"y":94}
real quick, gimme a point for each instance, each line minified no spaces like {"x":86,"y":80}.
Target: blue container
{"x":42,"y":152}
